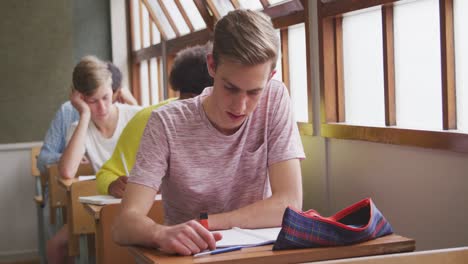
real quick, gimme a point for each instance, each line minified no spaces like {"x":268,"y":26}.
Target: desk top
{"x":383,"y":245}
{"x":67,"y":183}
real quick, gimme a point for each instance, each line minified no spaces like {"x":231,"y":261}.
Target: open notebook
{"x":105,"y":199}
{"x":247,"y":237}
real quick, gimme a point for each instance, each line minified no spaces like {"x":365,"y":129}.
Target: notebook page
{"x":247,"y":237}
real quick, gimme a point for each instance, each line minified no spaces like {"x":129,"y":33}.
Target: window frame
{"x":283,"y":15}
{"x":331,"y":80}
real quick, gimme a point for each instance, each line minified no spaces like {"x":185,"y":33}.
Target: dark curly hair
{"x":116,"y":76}
{"x":189,"y":73}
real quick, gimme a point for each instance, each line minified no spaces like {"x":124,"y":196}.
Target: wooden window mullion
{"x":213,"y":9}
{"x":340,"y":100}
{"x":201,"y":6}
{"x":155,"y":20}
{"x":328,"y":66}
{"x":389,"y":65}
{"x":235,"y":4}
{"x":184,"y":15}
{"x":265,"y":3}
{"x":448,"y":64}
{"x":169,"y":18}
{"x":285,"y":58}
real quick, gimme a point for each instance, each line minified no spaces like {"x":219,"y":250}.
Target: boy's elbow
{"x":66,"y":173}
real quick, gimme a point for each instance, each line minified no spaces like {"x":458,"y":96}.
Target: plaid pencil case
{"x":359,"y":222}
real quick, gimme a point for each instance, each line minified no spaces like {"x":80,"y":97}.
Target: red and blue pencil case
{"x":359,"y":222}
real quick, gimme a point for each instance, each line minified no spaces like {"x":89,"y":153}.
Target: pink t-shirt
{"x":197,"y":168}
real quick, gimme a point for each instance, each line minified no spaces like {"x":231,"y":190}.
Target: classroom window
{"x":419,"y":48}
{"x":160,"y":28}
{"x":417,"y":65}
{"x":249,"y":4}
{"x":193,"y":14}
{"x":279,"y":67}
{"x":160,"y":18}
{"x":363,"y":68}
{"x":298,"y":72}
{"x":174,"y":12}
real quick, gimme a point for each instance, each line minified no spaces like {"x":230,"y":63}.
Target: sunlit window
{"x":144,"y":83}
{"x":154,"y":81}
{"x":136,"y":24}
{"x":223,"y":6}
{"x":363,"y":68}
{"x":251,"y":4}
{"x":279,"y":67}
{"x":193,"y":14}
{"x":418,"y":65}
{"x":461,"y":62}
{"x":298,"y":71}
{"x":275,"y":2}
{"x":176,"y":16}
{"x":145,"y":23}
{"x":156,"y":36}
{"x":161,"y":17}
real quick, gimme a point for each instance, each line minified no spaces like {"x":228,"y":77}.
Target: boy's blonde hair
{"x":89,"y":74}
{"x":246,"y":37}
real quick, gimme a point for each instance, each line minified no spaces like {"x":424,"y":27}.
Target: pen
{"x":218,"y":251}
{"x":124,"y":163}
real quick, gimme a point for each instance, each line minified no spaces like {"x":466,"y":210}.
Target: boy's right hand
{"x":117,"y":187}
{"x":186,"y":239}
{"x":77,"y":100}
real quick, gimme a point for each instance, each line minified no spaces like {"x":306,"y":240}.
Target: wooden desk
{"x":80,"y":223}
{"x":264,"y":254}
{"x":445,"y":256}
{"x":107,"y":251}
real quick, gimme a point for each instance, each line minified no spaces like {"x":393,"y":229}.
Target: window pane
{"x":154,"y":81}
{"x":363,"y":68}
{"x":274,"y":2}
{"x":417,"y":65}
{"x":461,"y":62}
{"x":279,"y":67}
{"x":176,"y":16}
{"x":193,"y":14}
{"x":136,"y":24}
{"x":298,"y":71}
{"x":251,"y":4}
{"x":145,"y":21}
{"x":156,"y":34}
{"x":223,"y":6}
{"x":144,"y":83}
{"x":162,"y":19}
{"x":161,"y":80}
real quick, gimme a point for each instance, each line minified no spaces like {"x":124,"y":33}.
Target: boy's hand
{"x":117,"y":187}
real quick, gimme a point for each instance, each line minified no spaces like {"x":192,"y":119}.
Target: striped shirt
{"x":197,"y":168}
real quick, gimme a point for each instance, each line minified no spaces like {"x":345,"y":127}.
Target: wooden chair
{"x":107,"y":251}
{"x":39,"y":200}
{"x":57,"y":197}
{"x":80,"y":225}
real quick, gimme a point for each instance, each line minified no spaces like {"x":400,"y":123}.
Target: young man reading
{"x":233,"y":151}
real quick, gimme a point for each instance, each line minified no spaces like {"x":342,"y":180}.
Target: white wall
{"x":18,"y":222}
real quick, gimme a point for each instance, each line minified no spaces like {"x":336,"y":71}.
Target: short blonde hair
{"x":89,"y":74}
{"x":246,"y":37}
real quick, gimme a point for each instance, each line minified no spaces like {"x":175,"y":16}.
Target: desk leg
{"x":83,"y":257}
{"x":40,"y":234}
{"x":58,"y":219}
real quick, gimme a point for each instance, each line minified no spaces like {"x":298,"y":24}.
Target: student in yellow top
{"x":189,"y":76}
